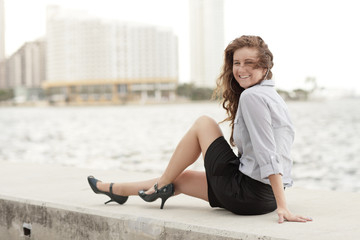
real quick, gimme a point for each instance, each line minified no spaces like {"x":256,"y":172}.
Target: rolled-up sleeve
{"x":257,"y":118}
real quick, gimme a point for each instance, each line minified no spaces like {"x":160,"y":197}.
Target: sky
{"x":308,"y":38}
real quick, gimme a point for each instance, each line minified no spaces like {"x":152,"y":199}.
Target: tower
{"x":2,"y":46}
{"x":206,"y":41}
{"x":2,"y":30}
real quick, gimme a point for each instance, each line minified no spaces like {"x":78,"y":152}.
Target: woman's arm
{"x":258,"y":121}
{"x":282,"y":210}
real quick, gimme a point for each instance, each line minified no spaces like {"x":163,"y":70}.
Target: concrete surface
{"x":54,"y":202}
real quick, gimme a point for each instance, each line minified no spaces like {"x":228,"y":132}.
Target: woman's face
{"x":244,"y":62}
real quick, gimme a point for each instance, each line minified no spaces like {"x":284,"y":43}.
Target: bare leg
{"x":192,"y":183}
{"x":127,"y":188}
{"x":196,"y":141}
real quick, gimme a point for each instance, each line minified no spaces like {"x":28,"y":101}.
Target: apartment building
{"x":25,"y":71}
{"x":93,"y":59}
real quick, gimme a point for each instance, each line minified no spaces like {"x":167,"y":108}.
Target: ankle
{"x":105,"y":187}
{"x":162,"y":182}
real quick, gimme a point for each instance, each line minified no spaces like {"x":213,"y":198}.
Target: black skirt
{"x":231,"y":189}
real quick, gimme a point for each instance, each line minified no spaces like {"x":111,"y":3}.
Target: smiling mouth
{"x":244,"y":77}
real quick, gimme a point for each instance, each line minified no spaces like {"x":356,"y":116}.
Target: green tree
{"x":188,"y":90}
{"x":6,"y":94}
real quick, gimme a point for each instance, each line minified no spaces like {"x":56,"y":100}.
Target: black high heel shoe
{"x":164,"y":193}
{"x":113,"y":197}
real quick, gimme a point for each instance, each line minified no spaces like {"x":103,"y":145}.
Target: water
{"x":142,"y":138}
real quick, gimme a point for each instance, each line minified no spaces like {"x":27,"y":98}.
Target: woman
{"x":248,"y":184}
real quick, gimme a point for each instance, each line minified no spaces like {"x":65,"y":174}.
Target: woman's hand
{"x":285,"y":215}
{"x":282,"y":210}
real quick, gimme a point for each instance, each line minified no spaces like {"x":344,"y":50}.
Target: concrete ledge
{"x":57,"y":203}
{"x":53,"y":222}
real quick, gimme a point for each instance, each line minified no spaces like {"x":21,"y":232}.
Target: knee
{"x":205,"y":121}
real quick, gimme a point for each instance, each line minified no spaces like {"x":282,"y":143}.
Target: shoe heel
{"x":113,"y":197}
{"x":164,"y":193}
{"x":163,"y":200}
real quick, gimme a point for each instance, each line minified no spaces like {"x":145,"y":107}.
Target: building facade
{"x":3,"y":81}
{"x":2,"y":31}
{"x":92,"y":59}
{"x":26,"y":70}
{"x":2,"y":46}
{"x":206,"y":41}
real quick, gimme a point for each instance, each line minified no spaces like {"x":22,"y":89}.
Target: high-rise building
{"x":3,"y":81}
{"x":96,"y":58}
{"x":25,"y":71}
{"x":206,"y":41}
{"x":2,"y":30}
{"x":2,"y":46}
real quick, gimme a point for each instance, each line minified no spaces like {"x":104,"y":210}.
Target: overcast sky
{"x":309,"y":38}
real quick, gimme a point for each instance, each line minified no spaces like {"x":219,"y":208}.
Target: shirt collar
{"x":269,"y":82}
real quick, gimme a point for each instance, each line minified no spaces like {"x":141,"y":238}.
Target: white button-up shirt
{"x":263,"y":133}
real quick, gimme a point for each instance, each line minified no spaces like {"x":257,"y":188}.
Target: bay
{"x":143,"y":137}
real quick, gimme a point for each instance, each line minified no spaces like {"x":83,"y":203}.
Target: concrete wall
{"x":42,"y":222}
{"x":59,"y":204}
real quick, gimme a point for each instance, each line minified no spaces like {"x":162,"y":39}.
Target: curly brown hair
{"x":228,"y":89}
